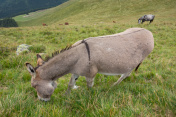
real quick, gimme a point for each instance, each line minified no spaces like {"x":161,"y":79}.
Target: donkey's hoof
{"x":75,"y":87}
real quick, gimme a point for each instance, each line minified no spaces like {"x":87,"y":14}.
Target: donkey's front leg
{"x":72,"y":83}
{"x":90,"y":82}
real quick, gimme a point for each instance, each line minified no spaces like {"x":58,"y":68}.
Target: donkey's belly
{"x":115,"y":69}
{"x":110,"y":74}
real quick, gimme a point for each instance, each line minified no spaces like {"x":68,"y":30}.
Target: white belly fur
{"x":109,"y":74}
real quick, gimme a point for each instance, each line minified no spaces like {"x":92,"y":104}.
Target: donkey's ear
{"x":40,"y":61}
{"x":31,"y":69}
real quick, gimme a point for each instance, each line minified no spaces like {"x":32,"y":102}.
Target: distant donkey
{"x":146,"y":18}
{"x":116,"y":54}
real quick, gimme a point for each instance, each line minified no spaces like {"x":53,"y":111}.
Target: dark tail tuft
{"x":137,"y":67}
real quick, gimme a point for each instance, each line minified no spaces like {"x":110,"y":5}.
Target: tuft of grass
{"x":37,"y":48}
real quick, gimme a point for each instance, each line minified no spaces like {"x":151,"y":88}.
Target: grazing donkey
{"x":116,"y":54}
{"x":146,"y":18}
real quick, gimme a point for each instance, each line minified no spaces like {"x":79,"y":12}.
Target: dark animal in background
{"x":114,"y":21}
{"x":66,"y":23}
{"x":146,"y":18}
{"x":44,"y":24}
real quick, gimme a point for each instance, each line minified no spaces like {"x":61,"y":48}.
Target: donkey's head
{"x":44,"y":88}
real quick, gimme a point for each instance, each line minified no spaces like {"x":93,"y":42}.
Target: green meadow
{"x":149,"y":92}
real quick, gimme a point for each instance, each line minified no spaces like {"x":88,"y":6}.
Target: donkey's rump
{"x":120,"y":53}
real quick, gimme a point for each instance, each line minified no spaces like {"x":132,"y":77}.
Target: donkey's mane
{"x":47,"y":58}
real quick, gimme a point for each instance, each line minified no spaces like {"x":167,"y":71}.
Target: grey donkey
{"x":116,"y":54}
{"x":146,"y":18}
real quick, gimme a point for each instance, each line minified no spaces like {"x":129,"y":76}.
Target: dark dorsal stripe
{"x":87,"y":47}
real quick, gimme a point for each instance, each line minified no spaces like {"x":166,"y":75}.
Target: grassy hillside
{"x":97,"y":11}
{"x":149,"y":92}
{"x":11,"y":8}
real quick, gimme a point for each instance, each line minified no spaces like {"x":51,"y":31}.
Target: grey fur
{"x":146,"y":18}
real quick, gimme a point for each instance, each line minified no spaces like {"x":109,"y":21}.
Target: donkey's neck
{"x":59,"y":65}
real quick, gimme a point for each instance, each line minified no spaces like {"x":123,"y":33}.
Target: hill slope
{"x":10,"y":8}
{"x":94,"y":11}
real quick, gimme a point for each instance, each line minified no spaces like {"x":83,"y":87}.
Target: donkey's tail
{"x":137,"y":67}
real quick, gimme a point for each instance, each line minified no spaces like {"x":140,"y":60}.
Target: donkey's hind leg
{"x":123,"y":76}
{"x":151,"y":21}
{"x":72,"y":83}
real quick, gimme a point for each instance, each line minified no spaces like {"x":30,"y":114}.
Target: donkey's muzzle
{"x":43,"y":99}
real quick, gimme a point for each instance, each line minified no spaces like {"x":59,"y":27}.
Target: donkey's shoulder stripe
{"x":87,"y":47}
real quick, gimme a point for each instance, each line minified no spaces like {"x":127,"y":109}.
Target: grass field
{"x":78,"y":12}
{"x":149,"y":92}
